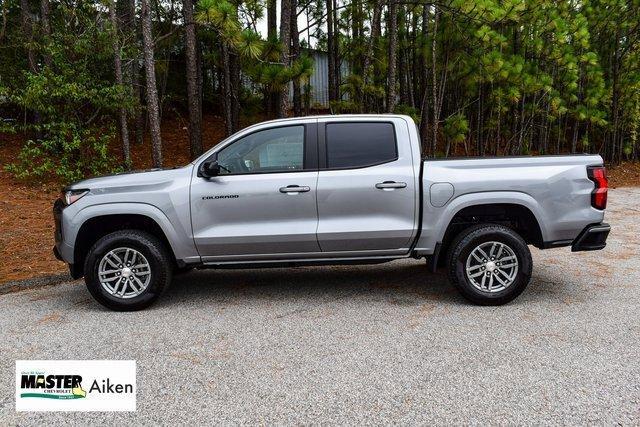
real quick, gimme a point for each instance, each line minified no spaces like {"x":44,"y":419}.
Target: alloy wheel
{"x":124,"y":273}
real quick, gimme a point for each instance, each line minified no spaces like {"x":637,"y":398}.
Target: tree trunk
{"x":357,"y":36}
{"x":193,"y":86}
{"x":226,"y":87}
{"x":414,"y":84}
{"x":393,"y":51}
{"x":3,"y":28}
{"x":295,"y":54}
{"x":27,"y":29}
{"x":117,"y":62}
{"x":424,"y":74}
{"x":153,"y":109}
{"x":234,"y":63}
{"x":335,"y":53}
{"x":133,"y":72}
{"x":285,"y":39}
{"x":330,"y":50}
{"x":434,"y":74}
{"x":270,"y":97}
{"x":46,"y":27}
{"x":615,"y":96}
{"x":368,"y":58}
{"x":272,"y":19}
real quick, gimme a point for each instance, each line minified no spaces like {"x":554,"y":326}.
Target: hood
{"x":152,"y":177}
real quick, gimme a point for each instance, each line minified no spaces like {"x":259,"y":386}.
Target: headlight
{"x":71,"y":196}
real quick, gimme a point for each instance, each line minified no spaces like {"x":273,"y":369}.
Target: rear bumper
{"x":592,"y":238}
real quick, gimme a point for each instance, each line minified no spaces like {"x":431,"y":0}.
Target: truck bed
{"x":556,"y":189}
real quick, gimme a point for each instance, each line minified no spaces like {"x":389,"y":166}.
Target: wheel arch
{"x":95,"y":225}
{"x":517,"y":216}
{"x":516,"y":210}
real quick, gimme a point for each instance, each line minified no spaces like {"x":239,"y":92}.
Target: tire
{"x":488,"y":285}
{"x":143,"y":285}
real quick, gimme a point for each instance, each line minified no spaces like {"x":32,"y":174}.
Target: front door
{"x":262,"y":205}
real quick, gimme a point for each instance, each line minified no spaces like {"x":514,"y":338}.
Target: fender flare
{"x":176,"y":238}
{"x":435,"y":231}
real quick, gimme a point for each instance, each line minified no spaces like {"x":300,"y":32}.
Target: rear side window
{"x":352,"y":145}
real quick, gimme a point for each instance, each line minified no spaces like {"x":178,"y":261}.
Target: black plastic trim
{"x":556,"y":244}
{"x":322,"y":146}
{"x":442,"y":159}
{"x":420,"y":209}
{"x":592,"y":238}
{"x":75,"y":271}
{"x":433,"y":261}
{"x":56,"y":253}
{"x":302,"y":263}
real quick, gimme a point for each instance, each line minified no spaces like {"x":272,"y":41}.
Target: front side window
{"x":270,"y":150}
{"x":353,"y":145}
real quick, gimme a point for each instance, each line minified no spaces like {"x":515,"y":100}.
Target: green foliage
{"x":68,"y":153}
{"x":511,"y":76}
{"x":72,"y":100}
{"x":455,"y":128}
{"x":408,"y":110}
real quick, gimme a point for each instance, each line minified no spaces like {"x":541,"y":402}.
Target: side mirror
{"x":209,"y":169}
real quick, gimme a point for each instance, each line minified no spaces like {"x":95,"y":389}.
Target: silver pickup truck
{"x":329,"y":190}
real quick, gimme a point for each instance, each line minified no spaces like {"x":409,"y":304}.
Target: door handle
{"x":390,"y":185}
{"x":294,"y":189}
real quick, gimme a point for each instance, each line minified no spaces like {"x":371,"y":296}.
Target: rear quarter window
{"x":353,"y":145}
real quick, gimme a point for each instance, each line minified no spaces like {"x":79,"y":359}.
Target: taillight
{"x":598,"y":174}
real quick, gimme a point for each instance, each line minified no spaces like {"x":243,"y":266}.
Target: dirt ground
{"x":26,"y":223}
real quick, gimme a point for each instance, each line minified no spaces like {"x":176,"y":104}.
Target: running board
{"x":299,"y":262}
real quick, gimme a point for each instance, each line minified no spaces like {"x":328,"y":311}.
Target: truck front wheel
{"x":489,"y":264}
{"x":127,"y":270}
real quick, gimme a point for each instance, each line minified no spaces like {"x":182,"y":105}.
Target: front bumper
{"x":61,"y":250}
{"x":592,"y":238}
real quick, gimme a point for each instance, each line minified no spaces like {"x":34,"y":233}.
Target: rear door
{"x":367,"y":186}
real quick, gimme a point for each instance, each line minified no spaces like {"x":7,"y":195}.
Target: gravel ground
{"x":380,"y":344}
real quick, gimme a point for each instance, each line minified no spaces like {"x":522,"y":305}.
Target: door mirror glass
{"x":210,"y":169}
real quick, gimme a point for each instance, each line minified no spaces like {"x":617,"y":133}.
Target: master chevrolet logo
{"x":75,"y":385}
{"x":52,"y":386}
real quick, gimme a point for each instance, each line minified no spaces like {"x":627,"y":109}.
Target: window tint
{"x":351,"y":145}
{"x":270,"y":150}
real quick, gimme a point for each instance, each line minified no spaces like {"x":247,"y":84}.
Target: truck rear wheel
{"x":127,"y":270}
{"x":489,"y":264}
